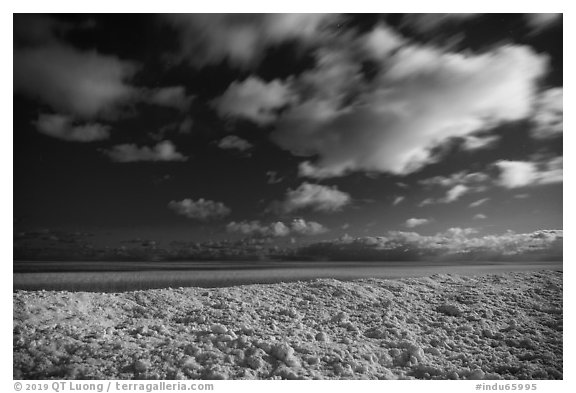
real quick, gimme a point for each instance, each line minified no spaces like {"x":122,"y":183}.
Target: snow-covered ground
{"x":439,"y":327}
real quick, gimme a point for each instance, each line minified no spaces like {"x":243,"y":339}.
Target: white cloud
{"x":82,"y":83}
{"x":479,"y":202}
{"x":457,"y":232}
{"x":313,"y":196}
{"x":460,"y":243}
{"x":241,"y":38}
{"x":538,"y":22}
{"x":277,"y":229}
{"x":550,"y":171}
{"x":548,"y":118}
{"x":202,"y":209}
{"x":452,"y":195}
{"x":398,"y":200}
{"x":253,"y":99}
{"x":392,"y":122}
{"x":273,"y":178}
{"x":163,"y":151}
{"x":455,"y":193}
{"x":426,"y":202}
{"x":255,"y":228}
{"x":414,"y":222}
{"x":234,"y":142}
{"x":62,"y":127}
{"x":515,"y":174}
{"x":307,"y":228}
{"x":173,"y":96}
{"x":381,"y":41}
{"x":473,"y":142}
{"x":479,"y":216}
{"x":457,"y":185}
{"x":512,"y":174}
{"x":429,"y":23}
{"x":472,"y":179}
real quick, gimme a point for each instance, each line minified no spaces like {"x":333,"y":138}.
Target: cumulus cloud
{"x":255,"y":228}
{"x":307,"y":228}
{"x":515,"y":174}
{"x":241,"y":39}
{"x":472,"y":179}
{"x":201,"y":210}
{"x":162,"y":151}
{"x":394,"y":120}
{"x":479,"y":216}
{"x":233,"y":142}
{"x":511,"y":174}
{"x":313,"y":196}
{"x":82,"y":83}
{"x":457,"y":243}
{"x":298,"y":226}
{"x":415,"y":222}
{"x":548,"y":118}
{"x":456,"y":185}
{"x":253,"y":99}
{"x":63,"y":127}
{"x":78,"y":83}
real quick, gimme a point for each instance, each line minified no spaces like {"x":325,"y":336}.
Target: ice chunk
{"x":218,"y":328}
{"x":255,"y":362}
{"x":321,"y":336}
{"x":476,"y":374}
{"x":449,"y":309}
{"x":285,"y":353}
{"x":141,"y":365}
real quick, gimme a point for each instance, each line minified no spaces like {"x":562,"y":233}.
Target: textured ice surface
{"x":505,"y":326}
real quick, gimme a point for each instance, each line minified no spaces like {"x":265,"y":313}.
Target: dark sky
{"x":420,"y":130}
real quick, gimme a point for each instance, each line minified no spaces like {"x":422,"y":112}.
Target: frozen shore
{"x":492,"y":326}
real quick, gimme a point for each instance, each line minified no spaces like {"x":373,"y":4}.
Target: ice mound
{"x":506,"y":326}
{"x":450,"y":309}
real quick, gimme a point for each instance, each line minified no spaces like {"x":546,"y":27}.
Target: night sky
{"x":288,"y":136}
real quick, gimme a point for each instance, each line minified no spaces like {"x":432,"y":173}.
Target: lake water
{"x":125,"y":276}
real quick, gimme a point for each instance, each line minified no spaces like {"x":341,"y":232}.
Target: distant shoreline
{"x":145,"y":276}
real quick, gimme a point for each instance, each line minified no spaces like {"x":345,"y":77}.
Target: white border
{"x":367,"y":6}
